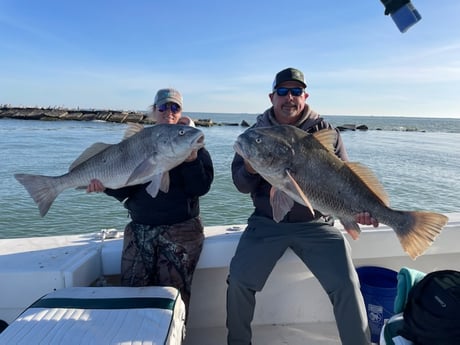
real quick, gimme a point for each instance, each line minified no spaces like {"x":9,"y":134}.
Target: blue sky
{"x":223,"y":55}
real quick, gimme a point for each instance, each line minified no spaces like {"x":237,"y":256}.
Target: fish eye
{"x":181,"y":132}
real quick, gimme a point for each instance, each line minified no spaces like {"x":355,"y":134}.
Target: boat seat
{"x":101,"y":315}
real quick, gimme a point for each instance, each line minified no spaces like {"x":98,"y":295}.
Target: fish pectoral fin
{"x":294,"y":187}
{"x":370,"y":180}
{"x":159,"y":182}
{"x":281,"y":204}
{"x":351,"y":227}
{"x":143,"y":172}
{"x":164,"y":186}
{"x":88,"y":153}
{"x":154,"y":185}
{"x":132,"y":129}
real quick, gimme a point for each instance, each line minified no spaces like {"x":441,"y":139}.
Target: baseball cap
{"x":164,"y":96}
{"x":289,"y":74}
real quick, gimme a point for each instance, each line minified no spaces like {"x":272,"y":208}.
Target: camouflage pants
{"x":164,"y":255}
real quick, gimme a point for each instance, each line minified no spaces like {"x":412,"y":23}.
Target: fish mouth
{"x":238,"y":149}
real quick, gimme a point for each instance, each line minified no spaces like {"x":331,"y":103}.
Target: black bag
{"x":432,"y":312}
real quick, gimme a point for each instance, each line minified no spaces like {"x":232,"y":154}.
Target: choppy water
{"x":416,"y":159}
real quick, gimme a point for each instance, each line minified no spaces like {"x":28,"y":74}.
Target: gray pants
{"x":324,"y":251}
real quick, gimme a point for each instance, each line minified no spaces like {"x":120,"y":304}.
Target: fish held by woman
{"x":145,"y":154}
{"x":303,"y":167}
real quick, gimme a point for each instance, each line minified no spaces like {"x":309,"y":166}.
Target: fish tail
{"x":419,"y":231}
{"x":42,"y":189}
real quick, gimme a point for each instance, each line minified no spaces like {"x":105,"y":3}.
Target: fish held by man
{"x":144,"y":154}
{"x":303,"y":167}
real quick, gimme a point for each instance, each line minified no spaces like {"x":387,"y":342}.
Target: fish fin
{"x":132,"y":129}
{"x":158,"y":182}
{"x":143,"y":172}
{"x":164,"y":186}
{"x":370,"y":180}
{"x":423,"y":229}
{"x":299,"y":191}
{"x":88,"y":153}
{"x":43,"y":189}
{"x":351,"y":227}
{"x":154,"y":185}
{"x":327,"y":138}
{"x":281,"y":204}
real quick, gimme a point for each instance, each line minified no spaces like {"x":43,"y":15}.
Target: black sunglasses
{"x":295,"y":91}
{"x":173,"y":106}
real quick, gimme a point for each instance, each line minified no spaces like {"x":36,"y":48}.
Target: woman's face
{"x":168,"y":113}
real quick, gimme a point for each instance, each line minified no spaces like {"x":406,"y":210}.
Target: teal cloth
{"x":407,"y":278}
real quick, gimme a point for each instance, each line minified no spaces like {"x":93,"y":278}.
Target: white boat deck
{"x":319,"y":333}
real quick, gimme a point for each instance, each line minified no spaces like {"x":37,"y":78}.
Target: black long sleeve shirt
{"x":188,"y":182}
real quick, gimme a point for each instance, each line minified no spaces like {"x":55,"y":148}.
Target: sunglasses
{"x":295,"y":91}
{"x":173,"y":106}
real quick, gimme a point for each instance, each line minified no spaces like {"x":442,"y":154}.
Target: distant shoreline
{"x":118,"y":116}
{"x":142,"y":117}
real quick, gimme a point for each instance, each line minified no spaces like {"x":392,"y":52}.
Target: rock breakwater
{"x":56,"y":114}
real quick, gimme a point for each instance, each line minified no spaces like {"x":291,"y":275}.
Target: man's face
{"x":288,"y":108}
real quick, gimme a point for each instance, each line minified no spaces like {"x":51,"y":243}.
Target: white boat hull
{"x":292,"y":299}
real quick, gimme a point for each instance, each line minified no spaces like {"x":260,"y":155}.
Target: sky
{"x":223,"y":55}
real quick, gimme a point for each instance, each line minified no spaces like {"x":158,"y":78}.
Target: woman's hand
{"x":192,"y":156}
{"x":95,"y":186}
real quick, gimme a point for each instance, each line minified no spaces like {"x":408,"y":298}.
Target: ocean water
{"x":416,"y":159}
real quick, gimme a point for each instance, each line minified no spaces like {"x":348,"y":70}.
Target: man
{"x":163,"y":242}
{"x":319,"y":245}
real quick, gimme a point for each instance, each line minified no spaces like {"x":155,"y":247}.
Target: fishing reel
{"x":402,"y":12}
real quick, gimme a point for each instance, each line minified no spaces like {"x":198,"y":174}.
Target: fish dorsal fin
{"x":88,"y":153}
{"x":327,"y":138}
{"x":132,"y":129}
{"x":369,"y":178}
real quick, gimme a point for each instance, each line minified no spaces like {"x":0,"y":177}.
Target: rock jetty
{"x":56,"y":114}
{"x":119,"y":116}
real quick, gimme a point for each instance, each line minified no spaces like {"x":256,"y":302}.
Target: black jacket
{"x":188,"y":182}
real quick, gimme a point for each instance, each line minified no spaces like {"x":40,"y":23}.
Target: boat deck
{"x":319,"y":333}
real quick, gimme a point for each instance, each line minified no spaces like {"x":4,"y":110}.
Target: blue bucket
{"x":379,"y":288}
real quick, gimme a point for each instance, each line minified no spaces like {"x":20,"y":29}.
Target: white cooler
{"x":101,"y":315}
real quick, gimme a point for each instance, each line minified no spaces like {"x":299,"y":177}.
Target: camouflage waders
{"x":164,"y":255}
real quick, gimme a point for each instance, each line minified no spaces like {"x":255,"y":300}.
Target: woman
{"x":163,"y":241}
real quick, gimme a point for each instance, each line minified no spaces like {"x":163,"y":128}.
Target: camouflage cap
{"x":288,"y":74}
{"x":164,"y":96}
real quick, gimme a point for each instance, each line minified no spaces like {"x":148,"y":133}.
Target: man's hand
{"x":249,"y":168}
{"x":95,"y":186}
{"x":365,"y":218}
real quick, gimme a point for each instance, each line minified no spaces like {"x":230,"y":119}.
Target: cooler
{"x":101,"y":315}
